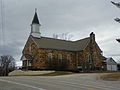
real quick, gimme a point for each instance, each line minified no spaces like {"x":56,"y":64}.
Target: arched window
{"x":59,"y":58}
{"x":69,"y":58}
{"x":49,"y":57}
{"x":89,"y":59}
{"x":30,"y":49}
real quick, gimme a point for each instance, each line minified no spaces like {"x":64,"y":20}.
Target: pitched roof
{"x":35,"y":19}
{"x":111,"y":61}
{"x":51,"y":43}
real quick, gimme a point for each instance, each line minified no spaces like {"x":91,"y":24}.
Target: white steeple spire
{"x":35,"y":26}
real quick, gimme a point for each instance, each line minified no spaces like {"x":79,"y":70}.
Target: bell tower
{"x":35,"y":26}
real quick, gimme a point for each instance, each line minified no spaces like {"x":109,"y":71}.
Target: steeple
{"x":35,"y":32}
{"x":35,"y":19}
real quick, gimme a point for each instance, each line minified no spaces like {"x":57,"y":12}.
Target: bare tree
{"x":117,"y":19}
{"x":117,"y":5}
{"x":55,"y":36}
{"x":118,"y":40}
{"x":7,"y":64}
{"x":63,"y":36}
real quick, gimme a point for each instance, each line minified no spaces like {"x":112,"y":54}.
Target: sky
{"x":76,"y":17}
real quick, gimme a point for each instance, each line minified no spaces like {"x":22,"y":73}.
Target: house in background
{"x":118,"y":66}
{"x":44,"y":53}
{"x":111,"y":64}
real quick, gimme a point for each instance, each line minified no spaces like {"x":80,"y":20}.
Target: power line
{"x":2,"y":23}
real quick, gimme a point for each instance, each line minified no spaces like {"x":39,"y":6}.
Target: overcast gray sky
{"x":78,"y":17}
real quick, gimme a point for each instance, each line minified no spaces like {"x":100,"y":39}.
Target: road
{"x":67,"y":82}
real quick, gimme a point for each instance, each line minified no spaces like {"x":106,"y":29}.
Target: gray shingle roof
{"x":51,"y":43}
{"x":111,"y":61}
{"x":35,"y":19}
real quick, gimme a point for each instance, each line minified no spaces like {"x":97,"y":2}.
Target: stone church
{"x":44,"y":53}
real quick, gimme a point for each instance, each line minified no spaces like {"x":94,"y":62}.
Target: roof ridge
{"x":62,"y":39}
{"x":82,"y":39}
{"x":57,"y":39}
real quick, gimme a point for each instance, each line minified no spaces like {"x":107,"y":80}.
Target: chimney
{"x":92,"y":36}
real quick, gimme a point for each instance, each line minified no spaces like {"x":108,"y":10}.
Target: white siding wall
{"x":112,"y":67}
{"x":35,"y":30}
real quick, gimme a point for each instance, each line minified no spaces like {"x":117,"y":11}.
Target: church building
{"x":44,"y":53}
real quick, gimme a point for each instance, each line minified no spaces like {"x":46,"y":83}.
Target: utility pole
{"x":2,"y":28}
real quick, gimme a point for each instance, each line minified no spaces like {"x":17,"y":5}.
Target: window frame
{"x":60,"y":57}
{"x":50,"y":55}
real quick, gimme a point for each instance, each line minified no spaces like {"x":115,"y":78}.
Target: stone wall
{"x":91,"y":59}
{"x":88,"y":59}
{"x":29,"y":49}
{"x":41,"y":60}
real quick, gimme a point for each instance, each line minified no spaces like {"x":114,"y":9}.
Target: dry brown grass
{"x":28,"y":73}
{"x":46,"y":73}
{"x":57,"y":73}
{"x":99,"y":72}
{"x":111,"y":77}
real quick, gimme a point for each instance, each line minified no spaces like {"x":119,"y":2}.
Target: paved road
{"x":68,"y":82}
